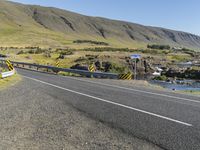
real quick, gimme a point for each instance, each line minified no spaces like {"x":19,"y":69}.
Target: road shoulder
{"x":10,"y":81}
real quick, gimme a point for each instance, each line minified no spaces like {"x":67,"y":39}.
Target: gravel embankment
{"x":32,"y":119}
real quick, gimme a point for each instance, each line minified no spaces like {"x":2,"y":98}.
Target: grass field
{"x":179,"y":57}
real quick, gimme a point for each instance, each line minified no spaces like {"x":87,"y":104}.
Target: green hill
{"x":28,"y":25}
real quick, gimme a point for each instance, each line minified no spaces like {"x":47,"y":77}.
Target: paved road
{"x":33,"y":119}
{"x":169,"y":120}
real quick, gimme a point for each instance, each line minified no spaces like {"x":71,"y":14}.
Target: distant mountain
{"x":28,"y":25}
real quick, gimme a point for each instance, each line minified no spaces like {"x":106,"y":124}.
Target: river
{"x":180,"y":85}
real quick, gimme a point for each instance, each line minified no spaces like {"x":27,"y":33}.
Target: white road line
{"x":110,"y":102}
{"x":135,"y":90}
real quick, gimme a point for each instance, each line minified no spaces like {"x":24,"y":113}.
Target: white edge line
{"x":110,"y":102}
{"x":131,"y":89}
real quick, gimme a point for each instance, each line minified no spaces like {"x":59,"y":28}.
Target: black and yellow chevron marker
{"x":126,"y":76}
{"x":9,"y":64}
{"x":92,"y":68}
{"x":57,"y":63}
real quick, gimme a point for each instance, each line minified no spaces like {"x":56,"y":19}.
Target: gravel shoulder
{"x":10,"y":81}
{"x":31,"y":119}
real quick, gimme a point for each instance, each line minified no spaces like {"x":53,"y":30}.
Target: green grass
{"x":179,"y":57}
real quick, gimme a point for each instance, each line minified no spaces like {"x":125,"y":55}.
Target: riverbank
{"x":197,"y":93}
{"x":185,"y":86}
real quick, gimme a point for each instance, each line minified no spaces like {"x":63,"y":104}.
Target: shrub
{"x":161,"y":47}
{"x":91,"y":42}
{"x":47,"y":54}
{"x":61,"y":56}
{"x":37,"y":51}
{"x":20,"y":52}
{"x":161,"y":78}
{"x":66,"y":52}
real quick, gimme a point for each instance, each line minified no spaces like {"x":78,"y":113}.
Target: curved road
{"x":167,"y":119}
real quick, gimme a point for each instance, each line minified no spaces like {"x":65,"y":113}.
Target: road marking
{"x":110,"y":102}
{"x":135,"y":90}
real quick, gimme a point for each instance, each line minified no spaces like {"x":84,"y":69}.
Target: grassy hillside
{"x":27,"y":25}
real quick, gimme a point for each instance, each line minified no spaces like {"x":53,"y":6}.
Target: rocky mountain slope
{"x":25,"y":25}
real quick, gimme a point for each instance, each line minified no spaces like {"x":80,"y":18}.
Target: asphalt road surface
{"x":166,"y":119}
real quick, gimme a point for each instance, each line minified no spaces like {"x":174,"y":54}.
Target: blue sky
{"x":181,"y":15}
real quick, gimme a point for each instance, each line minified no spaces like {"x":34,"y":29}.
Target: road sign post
{"x":135,"y":68}
{"x":135,"y":57}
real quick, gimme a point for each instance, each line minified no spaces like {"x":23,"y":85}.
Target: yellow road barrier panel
{"x":9,"y":64}
{"x":126,"y":76}
{"x":92,"y":68}
{"x":57,"y":63}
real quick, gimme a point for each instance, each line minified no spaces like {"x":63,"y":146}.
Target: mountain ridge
{"x":38,"y":25}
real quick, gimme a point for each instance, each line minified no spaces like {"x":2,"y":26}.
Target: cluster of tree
{"x":160,"y":47}
{"x":91,"y":42}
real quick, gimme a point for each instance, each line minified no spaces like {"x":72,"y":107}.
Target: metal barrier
{"x":57,"y":69}
{"x":9,"y":73}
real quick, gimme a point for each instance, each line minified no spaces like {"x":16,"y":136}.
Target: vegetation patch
{"x":90,"y":42}
{"x":187,"y":74}
{"x":161,"y":78}
{"x":68,"y":74}
{"x":10,"y":81}
{"x":179,"y":57}
{"x":190,"y":92}
{"x":161,"y":47}
{"x":64,"y":52}
{"x":111,"y":49}
{"x":106,"y":59}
